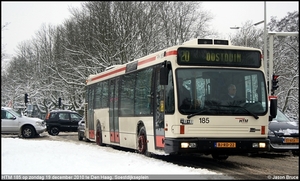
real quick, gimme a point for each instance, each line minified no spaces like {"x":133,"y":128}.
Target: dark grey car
{"x":284,"y":134}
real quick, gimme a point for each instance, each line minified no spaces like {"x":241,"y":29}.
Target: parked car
{"x":81,"y":129}
{"x":62,"y":121}
{"x":13,"y":122}
{"x":284,"y":134}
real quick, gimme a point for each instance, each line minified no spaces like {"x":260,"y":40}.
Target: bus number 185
{"x":204,"y":120}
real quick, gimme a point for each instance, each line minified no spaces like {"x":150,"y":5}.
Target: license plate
{"x":225,"y":145}
{"x":291,"y":140}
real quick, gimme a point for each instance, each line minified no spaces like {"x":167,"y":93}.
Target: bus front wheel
{"x":142,"y":142}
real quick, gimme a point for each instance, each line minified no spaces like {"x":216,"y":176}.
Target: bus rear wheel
{"x":99,"y":135}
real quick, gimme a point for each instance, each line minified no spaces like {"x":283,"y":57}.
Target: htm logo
{"x":242,"y":120}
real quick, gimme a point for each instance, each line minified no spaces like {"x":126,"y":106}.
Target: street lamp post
{"x":255,"y":24}
{"x":265,"y":40}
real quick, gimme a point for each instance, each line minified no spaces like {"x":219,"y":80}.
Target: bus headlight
{"x":262,"y":145}
{"x":188,"y":145}
{"x":259,"y":145}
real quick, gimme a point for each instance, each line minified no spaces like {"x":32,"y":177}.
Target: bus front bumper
{"x":210,"y":146}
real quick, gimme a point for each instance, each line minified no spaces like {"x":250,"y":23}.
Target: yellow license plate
{"x":225,"y":144}
{"x":291,"y":140}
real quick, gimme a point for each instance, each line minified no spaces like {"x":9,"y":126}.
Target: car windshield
{"x":281,"y":117}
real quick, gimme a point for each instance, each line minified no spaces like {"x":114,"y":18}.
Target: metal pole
{"x":271,"y":39}
{"x":265,"y":41}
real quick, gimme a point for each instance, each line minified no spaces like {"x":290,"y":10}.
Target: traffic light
{"x":26,"y":98}
{"x":274,"y":83}
{"x":59,"y":102}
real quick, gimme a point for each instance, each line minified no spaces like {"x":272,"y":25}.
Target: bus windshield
{"x":221,"y":91}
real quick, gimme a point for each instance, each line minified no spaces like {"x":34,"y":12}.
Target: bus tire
{"x":99,"y":135}
{"x":142,"y":142}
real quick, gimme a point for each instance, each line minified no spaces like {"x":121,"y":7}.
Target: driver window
{"x":6,"y":115}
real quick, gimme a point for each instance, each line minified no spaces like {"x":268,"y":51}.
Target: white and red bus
{"x":138,"y":105}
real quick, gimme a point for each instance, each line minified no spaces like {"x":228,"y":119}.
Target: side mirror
{"x":164,"y":71}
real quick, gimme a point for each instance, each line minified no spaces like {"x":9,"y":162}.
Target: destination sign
{"x":218,"y":57}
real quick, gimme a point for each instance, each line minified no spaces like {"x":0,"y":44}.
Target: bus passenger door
{"x":113,"y":110}
{"x":90,"y":109}
{"x":158,"y":110}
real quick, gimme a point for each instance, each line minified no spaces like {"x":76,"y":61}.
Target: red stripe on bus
{"x":141,"y":62}
{"x":174,"y":52}
{"x":146,"y":61}
{"x":110,"y":73}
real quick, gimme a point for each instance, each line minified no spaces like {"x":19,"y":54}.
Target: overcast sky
{"x":26,"y":18}
{"x":230,"y":14}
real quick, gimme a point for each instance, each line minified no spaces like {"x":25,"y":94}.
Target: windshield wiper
{"x":251,"y":113}
{"x":208,"y":109}
{"x":194,"y":114}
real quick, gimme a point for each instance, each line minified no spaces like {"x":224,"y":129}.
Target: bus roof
{"x":145,"y":61}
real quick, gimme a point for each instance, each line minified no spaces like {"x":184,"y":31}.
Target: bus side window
{"x":142,"y":92}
